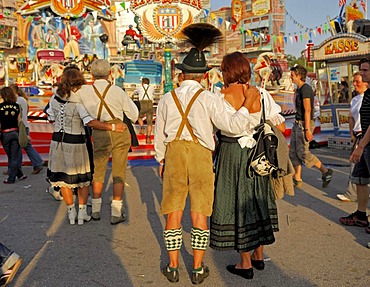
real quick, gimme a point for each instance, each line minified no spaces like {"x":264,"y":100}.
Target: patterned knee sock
{"x":199,"y":238}
{"x":173,"y":239}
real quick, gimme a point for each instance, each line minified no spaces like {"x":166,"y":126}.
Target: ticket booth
{"x":336,"y":60}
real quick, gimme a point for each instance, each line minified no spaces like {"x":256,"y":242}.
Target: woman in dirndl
{"x":244,"y":212}
{"x":69,"y":164}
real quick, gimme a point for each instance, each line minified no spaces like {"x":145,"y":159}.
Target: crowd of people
{"x":241,"y":209}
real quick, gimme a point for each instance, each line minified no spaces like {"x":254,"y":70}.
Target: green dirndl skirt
{"x":244,"y":211}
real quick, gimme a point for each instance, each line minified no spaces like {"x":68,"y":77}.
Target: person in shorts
{"x":361,"y":157}
{"x":302,"y":131}
{"x":146,"y":94}
{"x":183,"y":142}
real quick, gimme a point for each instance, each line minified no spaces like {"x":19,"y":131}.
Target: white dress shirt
{"x":354,"y":110}
{"x":207,"y":112}
{"x":116,"y":99}
{"x":141,"y":92}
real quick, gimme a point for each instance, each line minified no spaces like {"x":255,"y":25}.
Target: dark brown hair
{"x":145,"y":81}
{"x":235,"y":68}
{"x":8,"y":95}
{"x":71,"y":81}
{"x":19,"y":91}
{"x":301,"y":71}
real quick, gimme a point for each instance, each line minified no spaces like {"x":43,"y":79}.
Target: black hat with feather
{"x":200,"y":35}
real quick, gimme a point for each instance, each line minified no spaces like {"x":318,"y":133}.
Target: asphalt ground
{"x":312,"y":248}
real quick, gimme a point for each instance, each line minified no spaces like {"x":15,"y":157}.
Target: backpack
{"x":262,"y":159}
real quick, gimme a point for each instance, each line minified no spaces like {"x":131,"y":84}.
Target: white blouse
{"x":272,"y":113}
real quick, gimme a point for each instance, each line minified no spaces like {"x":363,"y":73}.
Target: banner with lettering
{"x":341,"y":46}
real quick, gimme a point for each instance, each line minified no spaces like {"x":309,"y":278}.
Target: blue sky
{"x":309,"y":13}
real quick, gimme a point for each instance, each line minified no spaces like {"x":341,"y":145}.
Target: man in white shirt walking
{"x":355,"y":130}
{"x":146,"y":94}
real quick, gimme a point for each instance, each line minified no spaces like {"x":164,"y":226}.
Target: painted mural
{"x":76,"y":37}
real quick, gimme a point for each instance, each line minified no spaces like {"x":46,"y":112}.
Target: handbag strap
{"x":263,"y":118}
{"x":102,"y":102}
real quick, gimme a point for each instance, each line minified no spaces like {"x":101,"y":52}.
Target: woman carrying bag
{"x":9,"y":117}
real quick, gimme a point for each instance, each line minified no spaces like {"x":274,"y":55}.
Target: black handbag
{"x":262,"y":158}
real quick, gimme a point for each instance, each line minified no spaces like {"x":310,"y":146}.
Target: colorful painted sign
{"x":161,"y":21}
{"x":69,"y":8}
{"x":260,"y":7}
{"x":236,"y":10}
{"x":341,"y":45}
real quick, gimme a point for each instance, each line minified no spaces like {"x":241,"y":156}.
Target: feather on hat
{"x":200,"y":35}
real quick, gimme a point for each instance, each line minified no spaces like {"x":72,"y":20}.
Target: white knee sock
{"x":116,"y":208}
{"x":96,"y":204}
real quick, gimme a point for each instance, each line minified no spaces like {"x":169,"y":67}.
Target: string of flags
{"x":295,"y":37}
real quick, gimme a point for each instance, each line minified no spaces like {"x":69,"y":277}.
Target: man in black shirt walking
{"x":302,"y":132}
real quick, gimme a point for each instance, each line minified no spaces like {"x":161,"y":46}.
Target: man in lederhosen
{"x":186,"y":118}
{"x":146,"y":94}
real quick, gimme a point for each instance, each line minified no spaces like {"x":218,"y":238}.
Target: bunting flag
{"x":206,"y":13}
{"x":213,"y":16}
{"x":332,"y":24}
{"x":233,"y":27}
{"x":227,"y":23}
{"x":220,"y":20}
{"x":123,"y":5}
{"x":280,"y":39}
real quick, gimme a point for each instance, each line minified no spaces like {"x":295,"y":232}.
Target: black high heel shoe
{"x":245,"y":273}
{"x":258,"y":264}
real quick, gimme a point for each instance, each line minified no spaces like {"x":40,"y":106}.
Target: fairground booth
{"x":336,"y":60}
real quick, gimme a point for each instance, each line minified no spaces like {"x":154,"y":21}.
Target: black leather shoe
{"x":258,"y":264}
{"x":172,"y":274}
{"x":245,"y":273}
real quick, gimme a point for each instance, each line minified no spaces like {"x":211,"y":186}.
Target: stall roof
{"x":341,"y":47}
